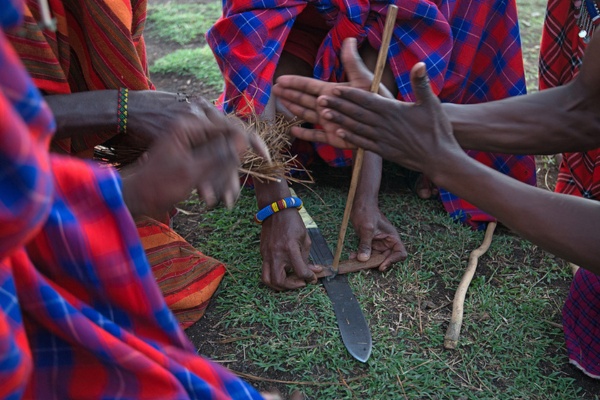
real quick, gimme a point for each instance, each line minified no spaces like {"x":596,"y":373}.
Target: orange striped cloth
{"x":99,"y":45}
{"x":186,"y":277}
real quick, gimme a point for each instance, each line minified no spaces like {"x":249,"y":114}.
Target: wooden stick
{"x":350,"y":266}
{"x":358,"y":158}
{"x":453,"y":331}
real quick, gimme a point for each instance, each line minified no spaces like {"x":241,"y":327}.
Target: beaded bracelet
{"x":122,"y":99}
{"x":286,"y":202}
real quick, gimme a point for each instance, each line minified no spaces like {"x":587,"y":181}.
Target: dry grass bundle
{"x":275,"y":134}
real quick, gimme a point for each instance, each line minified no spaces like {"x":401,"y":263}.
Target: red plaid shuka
{"x":81,"y":315}
{"x":99,"y":45}
{"x":471,"y":49}
{"x":579,"y":175}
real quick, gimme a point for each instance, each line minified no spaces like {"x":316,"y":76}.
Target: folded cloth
{"x":471,"y":49}
{"x":186,"y":277}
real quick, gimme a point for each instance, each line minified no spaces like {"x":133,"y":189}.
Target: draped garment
{"x":471,"y":49}
{"x":561,"y":55}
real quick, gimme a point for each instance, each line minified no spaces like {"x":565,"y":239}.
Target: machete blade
{"x":353,"y":327}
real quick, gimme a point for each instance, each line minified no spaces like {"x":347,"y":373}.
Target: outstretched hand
{"x":410,"y":134}
{"x":299,"y":95}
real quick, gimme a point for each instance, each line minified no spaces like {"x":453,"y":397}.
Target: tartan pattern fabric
{"x":561,"y":54}
{"x":99,"y":45}
{"x":581,"y":322}
{"x":472,"y":51}
{"x":81,"y":315}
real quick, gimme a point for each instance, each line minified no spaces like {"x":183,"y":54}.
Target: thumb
{"x":419,"y":81}
{"x":364,"y":247}
{"x":357,"y":72}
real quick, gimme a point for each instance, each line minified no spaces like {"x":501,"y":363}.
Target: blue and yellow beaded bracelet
{"x":286,"y":202}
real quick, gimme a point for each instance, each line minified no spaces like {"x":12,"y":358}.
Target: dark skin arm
{"x":562,"y":119}
{"x":556,"y":120}
{"x":149,"y":112}
{"x":284,"y":242}
{"x":422,"y":139}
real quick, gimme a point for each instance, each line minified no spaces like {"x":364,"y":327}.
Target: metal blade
{"x":351,"y":321}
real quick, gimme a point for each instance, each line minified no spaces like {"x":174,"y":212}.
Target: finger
{"x":281,"y":281}
{"x":355,"y":111}
{"x":281,"y":109}
{"x":295,"y":96}
{"x":308,"y":114}
{"x":299,"y":84}
{"x":317,"y":135}
{"x":364,"y":246}
{"x":300,"y":266}
{"x":232,"y":190}
{"x":396,"y":254}
{"x":353,"y":133}
{"x":357,"y":72}
{"x":315,"y":268}
{"x":258,"y":146}
{"x":419,"y":81}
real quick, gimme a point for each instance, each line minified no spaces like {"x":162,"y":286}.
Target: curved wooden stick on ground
{"x":453,"y":331}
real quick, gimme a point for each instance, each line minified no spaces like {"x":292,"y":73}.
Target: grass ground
{"x":511,"y":344}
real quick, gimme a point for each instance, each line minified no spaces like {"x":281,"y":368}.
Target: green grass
{"x":531,"y":20}
{"x":198,"y":62}
{"x":510,"y":346}
{"x":182,"y":23}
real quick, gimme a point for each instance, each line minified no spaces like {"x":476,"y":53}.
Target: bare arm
{"x":567,"y":226}
{"x":564,"y":225}
{"x":84,"y":113}
{"x":556,"y":120}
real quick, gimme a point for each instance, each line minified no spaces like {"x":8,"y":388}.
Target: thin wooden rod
{"x":360,"y":153}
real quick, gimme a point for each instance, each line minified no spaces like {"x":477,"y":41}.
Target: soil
{"x":210,"y":340}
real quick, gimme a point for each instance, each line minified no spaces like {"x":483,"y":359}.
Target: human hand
{"x":151,"y":111}
{"x":285,"y":246}
{"x":411,"y":134}
{"x":376,"y":233}
{"x":205,"y":156}
{"x":299,"y":95}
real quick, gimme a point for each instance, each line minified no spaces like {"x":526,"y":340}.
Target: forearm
{"x":370,"y":179}
{"x":567,"y":226}
{"x":84,"y":113}
{"x":548,"y":122}
{"x":268,"y":192}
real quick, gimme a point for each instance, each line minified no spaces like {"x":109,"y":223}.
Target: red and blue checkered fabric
{"x":581,"y":322}
{"x":81,"y":315}
{"x":471,"y":49}
{"x":561,"y":54}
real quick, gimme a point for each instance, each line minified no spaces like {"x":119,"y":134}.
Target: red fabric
{"x":561,"y":55}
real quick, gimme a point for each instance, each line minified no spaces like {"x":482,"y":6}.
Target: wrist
{"x":268,"y":192}
{"x":276,"y":207}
